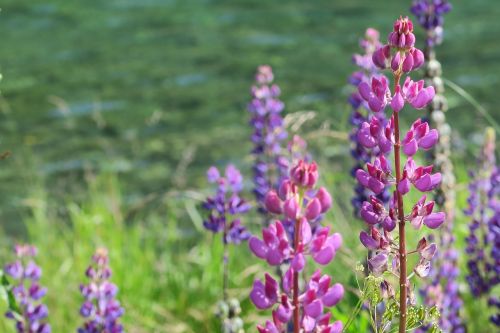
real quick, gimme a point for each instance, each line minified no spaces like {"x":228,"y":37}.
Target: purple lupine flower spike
{"x":368,"y":129}
{"x":28,"y":292}
{"x":288,"y":241}
{"x":387,"y":252}
{"x":100,"y":309}
{"x":268,"y":135}
{"x":483,"y":242}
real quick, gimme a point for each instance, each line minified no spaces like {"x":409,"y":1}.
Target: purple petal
{"x":314,"y":309}
{"x":334,"y":295}
{"x":324,"y":256}
{"x":368,"y":241}
{"x":258,"y":247}
{"x":434,"y":220}
{"x":258,"y":296}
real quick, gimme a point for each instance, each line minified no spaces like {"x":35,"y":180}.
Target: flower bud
{"x":325,"y":199}
{"x":408,"y":63}
{"x":273,"y":203}
{"x":291,"y":208}
{"x":313,"y":209}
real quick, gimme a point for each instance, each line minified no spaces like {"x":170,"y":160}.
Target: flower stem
{"x":296,"y":310}
{"x":401,"y":222}
{"x":225,"y":263}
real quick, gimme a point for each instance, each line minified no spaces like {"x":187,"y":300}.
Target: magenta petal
{"x":429,"y":140}
{"x":313,"y":209}
{"x":306,"y":233}
{"x":336,"y":327}
{"x":364,"y":90}
{"x":283,"y":313}
{"x":410,"y":148}
{"x":324,"y":256}
{"x":363,"y":177}
{"x":274,"y":257}
{"x":423,"y":98}
{"x":291,"y":208}
{"x":375,"y":185}
{"x":273,"y":203}
{"x":314,"y":309}
{"x":418,"y":58}
{"x":408,"y":63}
{"x":375,"y":104}
{"x":298,"y":262}
{"x":369,"y":216}
{"x":366,"y":139}
{"x":308,"y":323}
{"x":378,"y":58}
{"x":397,"y":102}
{"x":258,"y":296}
{"x":404,"y":186}
{"x":325,"y":199}
{"x":368,"y":241}
{"x":336,"y":240}
{"x":288,"y":280}
{"x":334,"y":295}
{"x":258,"y":247}
{"x":434,"y":220}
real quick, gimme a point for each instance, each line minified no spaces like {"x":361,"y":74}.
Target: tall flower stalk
{"x":483,"y":242}
{"x":401,"y":57}
{"x":364,"y":151}
{"x":268,"y":135}
{"x":442,"y":289}
{"x":224,"y":209}
{"x":289,"y":241}
{"x":28,"y":292}
{"x":100,"y":309}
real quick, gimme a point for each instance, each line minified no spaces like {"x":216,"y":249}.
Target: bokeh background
{"x":113,"y":110}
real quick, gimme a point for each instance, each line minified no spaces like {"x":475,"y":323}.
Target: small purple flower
{"x":420,"y":177}
{"x":226,"y":204}
{"x":28,"y":292}
{"x":419,"y":136}
{"x":100,"y":308}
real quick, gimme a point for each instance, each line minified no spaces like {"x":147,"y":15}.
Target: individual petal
{"x":314,"y":309}
{"x":434,"y":220}
{"x":298,"y":262}
{"x":368,"y":241}
{"x":334,"y":295}
{"x":213,"y":174}
{"x":423,"y":98}
{"x":410,"y":148}
{"x":429,"y":140}
{"x":325,"y":199}
{"x":313,"y":209}
{"x":363,"y":177}
{"x":291,"y":208}
{"x":376,"y":104}
{"x":397,"y":102}
{"x":404,"y":186}
{"x":324,"y":256}
{"x":258,"y":296}
{"x":306,"y":232}
{"x":364,"y":90}
{"x":423,"y":268}
{"x":273,"y":203}
{"x":418,"y":58}
{"x":407,"y":63}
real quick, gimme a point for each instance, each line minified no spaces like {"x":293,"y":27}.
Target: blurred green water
{"x":156,"y":90}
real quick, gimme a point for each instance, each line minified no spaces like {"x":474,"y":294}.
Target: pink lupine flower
{"x":376,"y":176}
{"x":420,"y":177}
{"x":419,"y":136}
{"x":377,"y":95}
{"x":264,"y":295}
{"x":274,"y":247}
{"x":415,"y":93}
{"x":422,"y":214}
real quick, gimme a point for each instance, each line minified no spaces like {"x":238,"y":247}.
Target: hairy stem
{"x":401,"y":222}
{"x":296,"y":309}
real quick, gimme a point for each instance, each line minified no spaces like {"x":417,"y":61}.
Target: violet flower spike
{"x":100,"y":309}
{"x":28,"y":292}
{"x":268,"y":135}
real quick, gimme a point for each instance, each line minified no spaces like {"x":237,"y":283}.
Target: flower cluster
{"x":360,"y":118}
{"x":100,"y":309}
{"x":300,"y":207}
{"x":400,"y":56}
{"x":226,"y":203}
{"x":429,"y":15}
{"x":483,"y":242}
{"x":268,"y":135}
{"x":28,"y":292}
